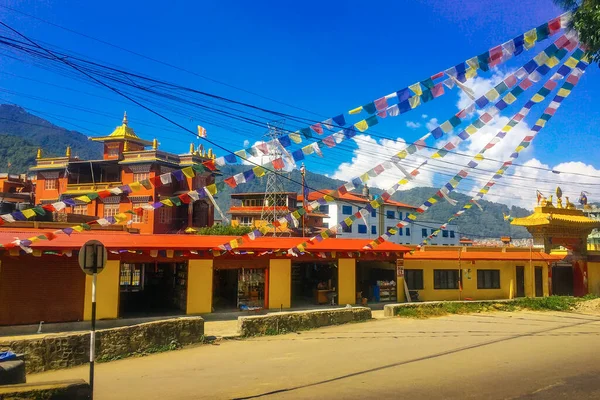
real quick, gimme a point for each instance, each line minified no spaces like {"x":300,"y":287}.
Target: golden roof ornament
{"x":154,"y":144}
{"x":125,"y":121}
{"x":210,"y":153}
{"x":68,"y":152}
{"x":126,"y":146}
{"x":191,"y":148}
{"x":39,"y":153}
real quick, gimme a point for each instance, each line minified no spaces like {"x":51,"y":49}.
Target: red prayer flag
{"x":329,"y":141}
{"x":554,"y":25}
{"x":210,"y":164}
{"x":185,"y":198}
{"x":278,"y":163}
{"x":155,"y":181}
{"x":231,"y":182}
{"x":317,"y":128}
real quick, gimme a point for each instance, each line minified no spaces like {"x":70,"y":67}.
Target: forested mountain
{"x":21,"y":133}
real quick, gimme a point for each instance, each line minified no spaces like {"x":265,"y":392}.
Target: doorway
{"x":520,"y":281}
{"x":225,"y":288}
{"x":539,"y":282}
{"x":562,"y":280}
{"x":313,"y":283}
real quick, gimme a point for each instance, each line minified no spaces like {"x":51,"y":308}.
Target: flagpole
{"x":304,"y":199}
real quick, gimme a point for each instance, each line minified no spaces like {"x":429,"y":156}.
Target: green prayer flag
{"x":372,"y":120}
{"x":370,"y":108}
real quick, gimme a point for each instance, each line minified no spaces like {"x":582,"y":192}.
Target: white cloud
{"x":432,"y":124}
{"x":480,"y":86}
{"x":262,"y":159}
{"x":413,"y":125}
{"x":424,"y":116}
{"x":246,"y":143}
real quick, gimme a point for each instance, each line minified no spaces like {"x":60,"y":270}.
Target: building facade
{"x":16,"y":192}
{"x":126,"y":159}
{"x":379,"y":221}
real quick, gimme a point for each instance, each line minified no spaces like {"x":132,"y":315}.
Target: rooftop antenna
{"x":275,"y":201}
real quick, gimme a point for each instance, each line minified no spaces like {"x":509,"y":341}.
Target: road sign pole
{"x":93,"y":332}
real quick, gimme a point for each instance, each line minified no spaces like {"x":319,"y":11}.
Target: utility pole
{"x":304,"y":198}
{"x":275,"y":200}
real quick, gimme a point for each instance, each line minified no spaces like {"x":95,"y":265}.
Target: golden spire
{"x":125,"y":118}
{"x":210,"y":153}
{"x":68,"y":152}
{"x":201,"y":150}
{"x":154,"y":144}
{"x":39,"y":153}
{"x":126,"y":146}
{"x":191,"y":148}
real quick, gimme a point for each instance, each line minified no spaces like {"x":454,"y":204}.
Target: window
{"x":80,"y":209}
{"x":113,"y":151}
{"x":445,"y":279}
{"x":390,"y":214}
{"x":374,"y":213}
{"x":347,"y":228}
{"x":451,"y":234}
{"x":347,"y":210}
{"x":414,"y":279}
{"x":246,"y":221}
{"x":362,"y":228}
{"x":131,"y":277}
{"x":50,"y":184}
{"x":373,"y":230}
{"x":488,"y":279}
{"x":140,"y":176}
{"x":400,"y":215}
{"x":445,"y":233}
{"x":424,"y":232}
{"x":400,"y":232}
{"x":139,"y":219}
{"x":164,"y":215}
{"x":324,"y":209}
{"x":110,"y":210}
{"x":407,"y":231}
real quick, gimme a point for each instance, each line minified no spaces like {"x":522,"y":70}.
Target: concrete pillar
{"x":107,"y":292}
{"x":545,"y":281}
{"x":280,"y":283}
{"x":529,"y":281}
{"x":346,"y":281}
{"x":199,"y":287}
{"x":400,"y":295}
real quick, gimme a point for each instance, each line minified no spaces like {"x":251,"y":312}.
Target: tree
{"x":586,"y":21}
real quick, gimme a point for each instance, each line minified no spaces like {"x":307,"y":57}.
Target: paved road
{"x":523,"y":355}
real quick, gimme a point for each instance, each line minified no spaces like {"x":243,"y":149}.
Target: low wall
{"x":273,"y":324}
{"x":390,"y":310}
{"x":67,"y":350}
{"x":65,"y":390}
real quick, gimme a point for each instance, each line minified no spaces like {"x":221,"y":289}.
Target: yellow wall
{"x":107,"y":292}
{"x":346,"y":281}
{"x":400,"y":295}
{"x":280,"y":283}
{"x":546,"y":283}
{"x":199,"y":286}
{"x":594,"y":278}
{"x":428,"y":293}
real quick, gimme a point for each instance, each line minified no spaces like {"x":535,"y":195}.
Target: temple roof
{"x":123,"y":132}
{"x":552,"y":216}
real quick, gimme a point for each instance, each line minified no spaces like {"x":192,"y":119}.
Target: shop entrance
{"x":152,"y":289}
{"x":376,"y":281}
{"x":238,"y":288}
{"x":314,"y":283}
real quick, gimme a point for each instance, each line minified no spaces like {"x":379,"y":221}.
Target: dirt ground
{"x":523,"y":355}
{"x":589,"y":307}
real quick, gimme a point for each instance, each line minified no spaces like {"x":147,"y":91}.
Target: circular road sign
{"x":92,"y":257}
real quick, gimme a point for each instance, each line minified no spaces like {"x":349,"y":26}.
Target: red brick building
{"x":127,"y":158}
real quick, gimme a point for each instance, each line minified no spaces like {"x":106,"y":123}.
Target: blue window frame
{"x":390,"y":214}
{"x":451,"y":234}
{"x":407,"y":231}
{"x":424,"y":232}
{"x":374,"y":213}
{"x":400,"y":232}
{"x":362,"y":228}
{"x":445,"y":233}
{"x":400,"y":215}
{"x":373,"y":229}
{"x":347,"y":210}
{"x":324,"y":209}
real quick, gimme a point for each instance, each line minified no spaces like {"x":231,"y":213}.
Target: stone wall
{"x":67,"y":350}
{"x":64,"y":390}
{"x":273,"y":324}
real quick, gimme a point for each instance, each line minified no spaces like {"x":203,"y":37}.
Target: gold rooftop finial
{"x":210,"y":153}
{"x":191,"y":148}
{"x":125,"y":121}
{"x":154,"y":144}
{"x":39,"y":153}
{"x":68,"y":152}
{"x":126,"y":146}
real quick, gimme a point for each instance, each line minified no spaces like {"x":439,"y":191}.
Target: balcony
{"x":90,"y":187}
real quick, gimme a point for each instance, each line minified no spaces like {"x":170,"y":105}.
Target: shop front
{"x":152,"y":288}
{"x":239,"y":285}
{"x":376,"y":282}
{"x":314,"y":283}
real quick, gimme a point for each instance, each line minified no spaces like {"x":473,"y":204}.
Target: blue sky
{"x":326,"y":57}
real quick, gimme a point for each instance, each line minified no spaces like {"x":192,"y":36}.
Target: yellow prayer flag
{"x":446,"y":127}
{"x":403,"y":181}
{"x":361,"y":125}
{"x":485,"y":190}
{"x":135,"y":186}
{"x":416,"y":88}
{"x":258,"y":171}
{"x":233,"y":244}
{"x":355,"y":110}
{"x":432,"y":200}
{"x":167,"y":202}
{"x":518,"y":149}
{"x":374,"y":203}
{"x":120,"y":217}
{"x":328,"y":198}
{"x":509,"y":98}
{"x":33,"y":239}
{"x":563,"y":92}
{"x":479,"y":157}
{"x":295,"y":137}
{"x":414,"y":101}
{"x":189,"y":172}
{"x":467,"y":206}
{"x":471,"y":73}
{"x":83,"y":198}
{"x":453,"y":182}
{"x":412,"y":217}
{"x":471,"y":129}
{"x":28,"y":213}
{"x":537,"y":98}
{"x":436,"y":155}
{"x":552,"y":62}
{"x":541,"y":58}
{"x":506,"y":128}
{"x":241,"y":154}
{"x":365,"y":177}
{"x":473,"y":62}
{"x":571,"y":62}
{"x":530,"y":38}
{"x":308,"y":149}
{"x":492,"y":95}
{"x":212,"y":189}
{"x":79,"y":228}
{"x":348,"y":221}
{"x":541,"y":122}
{"x":402,"y":154}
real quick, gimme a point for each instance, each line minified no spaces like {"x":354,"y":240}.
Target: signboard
{"x":92,"y":257}
{"x":400,"y":268}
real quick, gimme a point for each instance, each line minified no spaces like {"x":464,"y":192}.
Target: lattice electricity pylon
{"x":275,"y":201}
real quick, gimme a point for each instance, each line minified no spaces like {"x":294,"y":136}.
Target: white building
{"x":380,"y":220}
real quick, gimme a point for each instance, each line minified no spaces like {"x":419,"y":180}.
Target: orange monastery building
{"x":127,"y":158}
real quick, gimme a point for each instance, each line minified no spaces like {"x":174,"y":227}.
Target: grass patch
{"x":552,"y":303}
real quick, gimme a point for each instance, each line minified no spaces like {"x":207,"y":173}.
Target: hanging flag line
{"x":563,"y":93}
{"x":453,"y":183}
{"x":555,"y":52}
{"x":380,"y":201}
